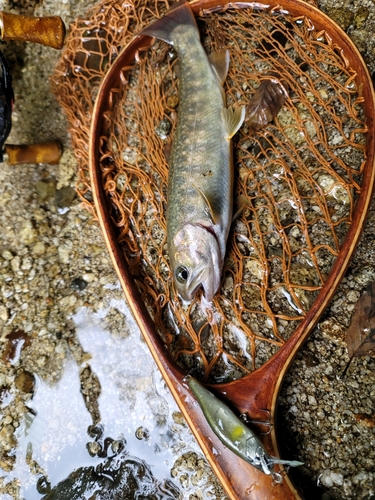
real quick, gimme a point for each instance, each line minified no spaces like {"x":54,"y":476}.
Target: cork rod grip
{"x":49,"y":31}
{"x":49,"y":152}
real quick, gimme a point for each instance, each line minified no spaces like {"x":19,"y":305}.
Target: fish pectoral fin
{"x":233,"y":119}
{"x":220,"y":63}
{"x":215,"y":217}
{"x":243,"y":205}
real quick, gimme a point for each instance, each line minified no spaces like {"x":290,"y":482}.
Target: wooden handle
{"x":49,"y":31}
{"x":49,"y":152}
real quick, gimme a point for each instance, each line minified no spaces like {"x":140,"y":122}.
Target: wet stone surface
{"x":72,"y":359}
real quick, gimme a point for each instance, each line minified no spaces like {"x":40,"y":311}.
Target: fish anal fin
{"x":233,"y":119}
{"x":214,"y":216}
{"x":180,"y":14}
{"x":220,"y":63}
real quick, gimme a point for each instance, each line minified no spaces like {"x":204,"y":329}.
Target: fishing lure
{"x":234,"y":434}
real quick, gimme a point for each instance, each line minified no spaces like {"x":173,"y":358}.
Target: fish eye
{"x":182,"y":274}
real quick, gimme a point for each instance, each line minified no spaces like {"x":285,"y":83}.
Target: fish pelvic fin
{"x":220,"y":63}
{"x":233,"y":119}
{"x":215,"y":217}
{"x":180,"y":14}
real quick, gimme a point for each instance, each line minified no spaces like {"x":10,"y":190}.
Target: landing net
{"x":297,"y":179}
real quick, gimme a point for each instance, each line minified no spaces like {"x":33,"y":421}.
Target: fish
{"x":200,"y":178}
{"x":234,"y":434}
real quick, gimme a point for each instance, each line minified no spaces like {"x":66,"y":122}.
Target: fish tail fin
{"x":180,"y":14}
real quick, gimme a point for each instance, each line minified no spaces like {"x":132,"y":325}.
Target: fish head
{"x":195,"y":261}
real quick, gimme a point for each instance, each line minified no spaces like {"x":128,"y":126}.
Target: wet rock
{"x":360,"y":39}
{"x":123,"y":476}
{"x":15,"y":263}
{"x":25,"y":382}
{"x":191,"y":462}
{"x":78,"y":284}
{"x":95,"y":431}
{"x":39,"y":248}
{"x":94,"y":448}
{"x":361,"y":16}
{"x":88,"y":277}
{"x":28,"y":234}
{"x":178,"y":418}
{"x":4,"y":394}
{"x":7,"y":438}
{"x":333,"y":329}
{"x":142,"y":433}
{"x":45,"y":189}
{"x":172,"y":101}
{"x":88,"y":196}
{"x":67,"y":168}
{"x":7,"y":462}
{"x":330,"y":478}
{"x":7,"y":255}
{"x":64,"y":197}
{"x":43,"y":485}
{"x":164,"y":128}
{"x":343,"y":17}
{"x":4,"y":315}
{"x":118,"y":446}
{"x":91,"y":390}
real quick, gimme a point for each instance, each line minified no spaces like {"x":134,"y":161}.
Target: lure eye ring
{"x":182,"y":274}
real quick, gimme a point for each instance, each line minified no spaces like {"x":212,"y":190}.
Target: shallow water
{"x":52,"y":441}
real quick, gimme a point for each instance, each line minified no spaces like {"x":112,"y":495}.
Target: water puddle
{"x":108,"y":427}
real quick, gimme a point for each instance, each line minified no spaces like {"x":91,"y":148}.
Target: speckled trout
{"x":200,"y":184}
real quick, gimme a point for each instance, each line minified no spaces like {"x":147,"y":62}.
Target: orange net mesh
{"x":299,"y":176}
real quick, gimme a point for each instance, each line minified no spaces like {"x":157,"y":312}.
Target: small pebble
{"x":88,"y":277}
{"x":172,"y":101}
{"x":25,"y":382}
{"x":64,"y":197}
{"x":93,"y":448}
{"x":164,"y":128}
{"x":39,"y":248}
{"x":142,"y":433}
{"x":45,"y":190}
{"x":78,"y":284}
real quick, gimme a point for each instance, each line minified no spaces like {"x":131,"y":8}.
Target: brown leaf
{"x":360,"y":335}
{"x":266,"y":102}
{"x":17,"y":340}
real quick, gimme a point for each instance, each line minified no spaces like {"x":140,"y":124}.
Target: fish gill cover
{"x":300,"y":175}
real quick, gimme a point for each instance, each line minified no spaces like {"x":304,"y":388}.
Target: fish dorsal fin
{"x":220,"y":63}
{"x":233,"y":119}
{"x":180,"y":14}
{"x":214,"y":216}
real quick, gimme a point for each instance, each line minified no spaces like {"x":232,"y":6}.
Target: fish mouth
{"x":205,"y":282}
{"x":196,"y":284}
{"x":199,"y":282}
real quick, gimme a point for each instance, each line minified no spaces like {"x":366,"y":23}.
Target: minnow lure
{"x":234,"y":434}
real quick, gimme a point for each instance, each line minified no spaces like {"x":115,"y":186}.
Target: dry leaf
{"x":266,"y":102}
{"x":360,"y":335}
